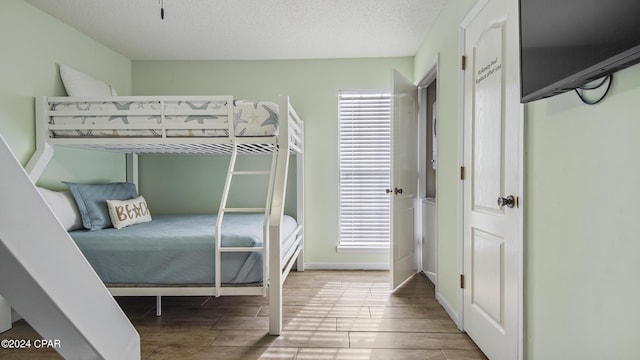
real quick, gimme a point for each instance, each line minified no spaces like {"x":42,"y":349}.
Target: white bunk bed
{"x":138,"y":125}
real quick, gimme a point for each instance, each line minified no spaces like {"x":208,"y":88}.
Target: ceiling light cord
{"x":161,"y":2}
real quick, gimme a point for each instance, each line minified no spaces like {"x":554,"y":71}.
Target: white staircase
{"x":231,"y":174}
{"x":47,"y":280}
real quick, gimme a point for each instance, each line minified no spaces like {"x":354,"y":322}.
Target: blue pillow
{"x":92,"y":201}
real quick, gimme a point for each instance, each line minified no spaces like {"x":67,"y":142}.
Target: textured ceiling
{"x":250,"y":29}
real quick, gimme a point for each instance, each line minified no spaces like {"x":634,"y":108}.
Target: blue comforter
{"x":177,"y":250}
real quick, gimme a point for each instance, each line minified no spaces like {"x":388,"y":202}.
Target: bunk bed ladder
{"x":231,"y":173}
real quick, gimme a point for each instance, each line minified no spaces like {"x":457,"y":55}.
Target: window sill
{"x":362,"y":249}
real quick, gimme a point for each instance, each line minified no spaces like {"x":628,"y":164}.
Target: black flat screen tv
{"x":565,"y":44}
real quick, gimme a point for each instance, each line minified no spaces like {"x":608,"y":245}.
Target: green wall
{"x":581,"y":208}
{"x":33,"y":44}
{"x":313,"y":86}
{"x":443,"y":41}
{"x":193,"y":184}
{"x":582,"y":231}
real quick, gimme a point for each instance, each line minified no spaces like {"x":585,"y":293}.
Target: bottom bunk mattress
{"x":177,"y":250}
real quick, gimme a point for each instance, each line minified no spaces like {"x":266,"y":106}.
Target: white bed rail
{"x":276,"y":275}
{"x":157,"y":109}
{"x":189,"y":141}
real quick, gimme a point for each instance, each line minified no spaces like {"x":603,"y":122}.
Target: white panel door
{"x":404,"y":177}
{"x":492,"y":184}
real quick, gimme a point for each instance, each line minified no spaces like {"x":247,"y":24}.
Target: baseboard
{"x":431,"y":276}
{"x":15,"y":316}
{"x":346,"y":266}
{"x":449,"y":309}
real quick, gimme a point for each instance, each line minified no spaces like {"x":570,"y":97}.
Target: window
{"x":365,"y":162}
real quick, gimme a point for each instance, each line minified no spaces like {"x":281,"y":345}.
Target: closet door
{"x":493,"y":160}
{"x":404,"y":177}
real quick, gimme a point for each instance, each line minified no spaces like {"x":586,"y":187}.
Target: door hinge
{"x":461,"y":281}
{"x":462,"y":173}
{"x":463,"y":62}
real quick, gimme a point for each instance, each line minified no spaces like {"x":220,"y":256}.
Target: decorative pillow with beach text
{"x":128,"y":212}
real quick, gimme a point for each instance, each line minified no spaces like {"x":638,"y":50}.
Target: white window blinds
{"x":365,"y":161}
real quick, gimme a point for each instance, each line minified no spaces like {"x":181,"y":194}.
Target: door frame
{"x":433,"y":73}
{"x":475,"y":10}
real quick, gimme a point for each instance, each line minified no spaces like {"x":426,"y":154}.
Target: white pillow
{"x":79,"y":84}
{"x":64,"y":208}
{"x":128,"y":212}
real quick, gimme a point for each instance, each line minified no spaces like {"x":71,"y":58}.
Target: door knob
{"x":508,"y":201}
{"x":398,"y":191}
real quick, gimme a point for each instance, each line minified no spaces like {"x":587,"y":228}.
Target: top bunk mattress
{"x":150,"y":118}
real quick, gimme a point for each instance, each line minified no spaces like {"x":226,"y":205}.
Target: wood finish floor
{"x":348,"y":315}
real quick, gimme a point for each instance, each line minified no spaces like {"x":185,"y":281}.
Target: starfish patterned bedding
{"x":170,"y":119}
